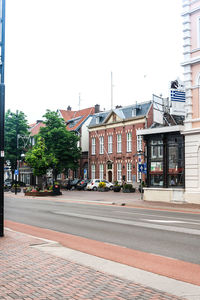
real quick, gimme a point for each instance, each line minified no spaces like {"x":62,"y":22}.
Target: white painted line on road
{"x":170,"y":221}
{"x":132,"y":223}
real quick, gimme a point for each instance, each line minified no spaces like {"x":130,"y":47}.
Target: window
{"x":93,"y":146}
{"x":119,"y":143}
{"x":175,"y":161}
{"x":139,"y":143}
{"x":134,"y":112}
{"x":166,"y":161}
{"x":119,"y":172}
{"x":59,"y":176}
{"x":101,"y":144}
{"x":129,"y":179}
{"x":93,"y":171}
{"x":101,"y":171}
{"x":128,"y":142}
{"x":97,"y":120}
{"x":156,"y":165}
{"x":110,"y":143}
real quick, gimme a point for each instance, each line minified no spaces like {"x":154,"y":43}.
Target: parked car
{"x":94,"y":183}
{"x":8,"y":183}
{"x":82,"y":184}
{"x":72,"y":184}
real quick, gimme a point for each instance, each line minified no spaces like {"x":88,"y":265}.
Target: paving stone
{"x":29,"y":274}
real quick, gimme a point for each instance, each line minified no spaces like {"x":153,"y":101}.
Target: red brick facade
{"x":116,"y":160}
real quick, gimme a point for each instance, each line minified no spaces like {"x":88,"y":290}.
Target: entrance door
{"x":110,"y":176}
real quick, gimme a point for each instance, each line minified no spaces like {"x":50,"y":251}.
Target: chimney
{"x":39,"y":121}
{"x":97,"y":108}
{"x":69,"y":107}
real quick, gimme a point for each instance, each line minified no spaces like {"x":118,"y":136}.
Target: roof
{"x":124,"y":113}
{"x":74,"y":119}
{"x":35,"y":128}
{"x":158,"y":130}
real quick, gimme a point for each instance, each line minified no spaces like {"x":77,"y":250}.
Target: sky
{"x":60,"y":52}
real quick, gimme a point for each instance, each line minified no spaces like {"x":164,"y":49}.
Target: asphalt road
{"x":170,"y":234}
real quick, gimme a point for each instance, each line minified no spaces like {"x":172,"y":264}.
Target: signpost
{"x":142,"y":169}
{"x":2,"y":113}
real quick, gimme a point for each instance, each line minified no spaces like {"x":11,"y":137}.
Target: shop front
{"x":165,"y":178}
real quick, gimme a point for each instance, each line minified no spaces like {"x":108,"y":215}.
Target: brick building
{"x":114,"y":147}
{"x":77,"y":122}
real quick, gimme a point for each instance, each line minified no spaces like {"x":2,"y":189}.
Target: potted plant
{"x":15,"y":187}
{"x":102,"y":187}
{"x":56,"y":188}
{"x":117,"y":187}
{"x":128,"y":188}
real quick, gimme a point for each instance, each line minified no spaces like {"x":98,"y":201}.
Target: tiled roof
{"x":124,"y":113}
{"x":35,"y":128}
{"x":74,"y":119}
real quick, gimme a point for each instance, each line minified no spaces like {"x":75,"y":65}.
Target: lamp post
{"x":2,"y":113}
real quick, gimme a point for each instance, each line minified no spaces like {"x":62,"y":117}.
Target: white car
{"x":94,"y":183}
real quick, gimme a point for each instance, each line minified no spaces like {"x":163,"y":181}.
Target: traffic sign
{"x":142,"y":168}
{"x":17,"y":172}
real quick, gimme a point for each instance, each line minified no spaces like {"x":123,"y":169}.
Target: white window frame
{"x":134,"y":112}
{"x":101,"y":171}
{"x":93,"y":146}
{"x":119,"y":143}
{"x":101,"y":145}
{"x":139,"y":143}
{"x":129,"y":142}
{"x":93,"y":171}
{"x":119,"y":172}
{"x":129,"y":172}
{"x":110,"y":143}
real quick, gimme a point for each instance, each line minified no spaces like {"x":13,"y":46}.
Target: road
{"x":170,"y":234}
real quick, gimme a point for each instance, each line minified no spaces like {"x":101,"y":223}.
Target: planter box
{"x":128,"y":191}
{"x":41,"y":194}
{"x":106,"y":189}
{"x":116,"y":188}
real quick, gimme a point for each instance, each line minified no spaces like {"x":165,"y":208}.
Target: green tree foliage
{"x":61,"y":143}
{"x":38,"y":159}
{"x":15,"y":124}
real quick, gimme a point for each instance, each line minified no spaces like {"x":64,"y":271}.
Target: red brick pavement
{"x":27,"y":273}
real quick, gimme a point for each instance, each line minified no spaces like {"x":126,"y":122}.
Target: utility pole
{"x":2,"y":115}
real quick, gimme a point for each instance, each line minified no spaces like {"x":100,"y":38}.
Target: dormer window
{"x":134,"y":112}
{"x":97,"y":120}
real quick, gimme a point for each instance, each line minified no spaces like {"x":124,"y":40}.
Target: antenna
{"x":79,"y":101}
{"x":112,"y":90}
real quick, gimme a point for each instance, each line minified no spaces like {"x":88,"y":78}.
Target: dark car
{"x":72,"y":184}
{"x":82,"y":184}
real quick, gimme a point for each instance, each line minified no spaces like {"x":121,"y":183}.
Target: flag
{"x":178,"y":96}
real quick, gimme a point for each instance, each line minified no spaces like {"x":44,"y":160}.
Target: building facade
{"x":191,"y":65}
{"x":114,"y":148}
{"x":77,"y":122}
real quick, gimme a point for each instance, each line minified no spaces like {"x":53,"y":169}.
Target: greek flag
{"x":177,"y":96}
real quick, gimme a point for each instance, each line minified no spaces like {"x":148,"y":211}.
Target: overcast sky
{"x":56,"y":49}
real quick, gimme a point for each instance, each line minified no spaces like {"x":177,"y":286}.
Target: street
{"x":171,"y":234}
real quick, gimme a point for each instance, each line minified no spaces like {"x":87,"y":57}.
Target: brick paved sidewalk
{"x":27,"y":273}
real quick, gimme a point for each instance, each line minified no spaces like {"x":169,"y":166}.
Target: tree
{"x":39,"y":160}
{"x":15,"y":124}
{"x":60,"y":143}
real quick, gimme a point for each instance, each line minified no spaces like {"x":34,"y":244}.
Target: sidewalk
{"x":27,"y":272}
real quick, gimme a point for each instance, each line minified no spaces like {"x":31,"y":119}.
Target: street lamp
{"x":2,"y":113}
